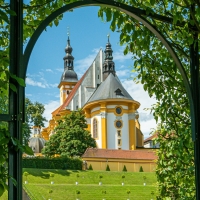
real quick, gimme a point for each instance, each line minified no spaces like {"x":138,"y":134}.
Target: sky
{"x":88,"y":34}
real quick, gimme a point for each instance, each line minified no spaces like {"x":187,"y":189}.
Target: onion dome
{"x":69,"y":75}
{"x":108,"y":65}
{"x":36,"y":143}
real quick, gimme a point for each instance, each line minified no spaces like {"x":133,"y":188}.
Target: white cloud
{"x":59,"y":69}
{"x":138,"y":94}
{"x":49,"y":108}
{"x":42,"y":84}
{"x":122,"y":73}
{"x":49,"y":70}
{"x":83,"y":64}
{"x":29,"y":81}
{"x":119,"y":56}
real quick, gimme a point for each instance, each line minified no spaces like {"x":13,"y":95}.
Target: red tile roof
{"x":119,"y":154}
{"x":155,"y":135}
{"x":71,"y":95}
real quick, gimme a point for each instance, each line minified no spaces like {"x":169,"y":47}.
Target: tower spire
{"x":68,"y":59}
{"x":108,"y":65}
{"x":69,"y":77}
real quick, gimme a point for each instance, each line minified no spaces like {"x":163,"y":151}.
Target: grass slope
{"x":64,"y":187}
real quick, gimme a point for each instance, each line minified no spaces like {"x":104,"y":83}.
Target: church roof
{"x":152,"y":137}
{"x":119,"y":154}
{"x":111,"y":88}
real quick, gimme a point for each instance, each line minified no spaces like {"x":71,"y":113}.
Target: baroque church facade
{"x":110,"y":111}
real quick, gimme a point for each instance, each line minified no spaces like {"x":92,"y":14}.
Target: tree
{"x":155,"y":69}
{"x":33,"y":117}
{"x":52,"y":146}
{"x":70,"y":138}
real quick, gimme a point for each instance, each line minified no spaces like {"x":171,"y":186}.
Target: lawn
{"x":64,"y":187}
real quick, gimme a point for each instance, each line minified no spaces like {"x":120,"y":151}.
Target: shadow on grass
{"x":45,"y":173}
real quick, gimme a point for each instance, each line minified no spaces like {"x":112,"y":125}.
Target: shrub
{"x":26,"y":174}
{"x":50,"y":191}
{"x":52,"y":163}
{"x":100,"y":177}
{"x":78,"y":192}
{"x":141,"y":169}
{"x":124,"y":169}
{"x":90,"y":167}
{"x":107,"y":168}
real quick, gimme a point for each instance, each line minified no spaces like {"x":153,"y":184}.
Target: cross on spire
{"x":108,"y":37}
{"x":68,"y":32}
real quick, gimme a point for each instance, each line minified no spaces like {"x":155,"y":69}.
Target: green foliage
{"x":123,"y":176}
{"x":78,"y":192}
{"x":103,"y":191}
{"x":128,"y":191}
{"x":124,"y":169}
{"x":26,"y":174}
{"x":34,"y":112}
{"x":100,"y":177}
{"x":90,"y":167}
{"x":141,"y":169}
{"x":50,"y":191}
{"x":107,"y":168}
{"x":71,"y":138}
{"x":156,"y":70}
{"x":52,"y":163}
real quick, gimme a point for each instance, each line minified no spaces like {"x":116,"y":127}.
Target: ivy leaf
{"x":2,"y":189}
{"x":28,"y":150}
{"x":11,"y":12}
{"x":19,"y":80}
{"x":4,"y":16}
{"x":13,"y":87}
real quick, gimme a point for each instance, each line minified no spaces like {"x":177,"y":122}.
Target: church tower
{"x":69,"y":77}
{"x":108,"y":65}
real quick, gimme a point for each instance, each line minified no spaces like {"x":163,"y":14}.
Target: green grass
{"x":64,"y":187}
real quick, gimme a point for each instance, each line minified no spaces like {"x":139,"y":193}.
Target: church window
{"x":119,"y":142}
{"x":98,"y":76}
{"x":67,"y":91}
{"x":95,"y":129}
{"x":118,"y":124}
{"x":118,"y":110}
{"x":119,"y":133}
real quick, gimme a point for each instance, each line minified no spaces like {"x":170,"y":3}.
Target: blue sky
{"x":87,"y":35}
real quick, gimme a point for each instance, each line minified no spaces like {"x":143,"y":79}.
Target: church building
{"x":111,"y":113}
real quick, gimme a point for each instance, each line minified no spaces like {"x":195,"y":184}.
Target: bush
{"x":90,"y":167}
{"x":52,"y":163}
{"x":124,"y":169}
{"x":107,"y":168}
{"x":141,"y":169}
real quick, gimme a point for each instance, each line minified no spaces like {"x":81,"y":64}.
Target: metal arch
{"x":131,"y":11}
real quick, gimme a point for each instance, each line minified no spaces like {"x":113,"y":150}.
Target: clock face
{"x":118,"y":110}
{"x":118,"y":124}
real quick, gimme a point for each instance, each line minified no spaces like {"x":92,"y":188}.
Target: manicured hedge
{"x":52,"y":163}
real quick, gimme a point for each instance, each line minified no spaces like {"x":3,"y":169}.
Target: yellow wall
{"x":118,"y":165}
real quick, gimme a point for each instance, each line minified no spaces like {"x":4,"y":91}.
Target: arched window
{"x":95,"y":129}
